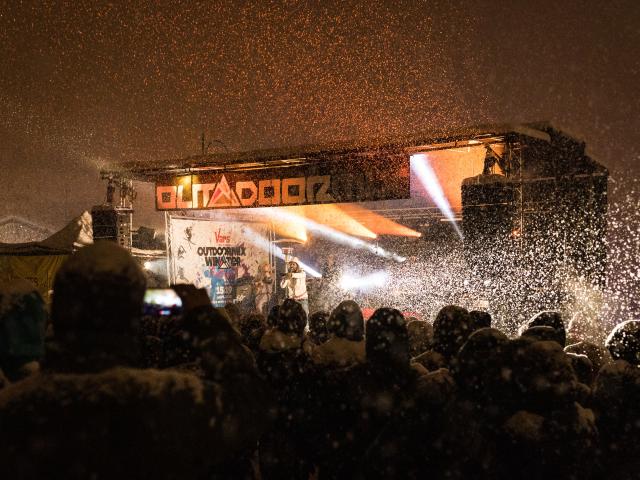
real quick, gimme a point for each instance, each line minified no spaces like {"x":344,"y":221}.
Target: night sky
{"x":87,"y":83}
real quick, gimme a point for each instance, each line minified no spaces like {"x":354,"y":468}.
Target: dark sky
{"x":85,"y":83}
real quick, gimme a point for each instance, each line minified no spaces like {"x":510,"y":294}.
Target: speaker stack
{"x":113,"y":224}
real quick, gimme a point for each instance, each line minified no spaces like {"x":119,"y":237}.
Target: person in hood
{"x":23,"y":321}
{"x":272,"y":317}
{"x":616,"y":401}
{"x":480,"y":319}
{"x":624,"y":342}
{"x":479,"y":365}
{"x":281,"y":351}
{"x":369,"y":395}
{"x":319,"y":328}
{"x":598,"y":354}
{"x":284,"y":362}
{"x":212,"y":349}
{"x":420,"y":336}
{"x":548,"y":318}
{"x":543,"y":333}
{"x":345,"y":346}
{"x":252,"y":327}
{"x":451,"y":329}
{"x":93,"y":413}
{"x":295,"y":284}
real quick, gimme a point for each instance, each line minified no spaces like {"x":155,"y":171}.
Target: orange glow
{"x":291,"y":229}
{"x":350,"y":219}
{"x":332,"y":216}
{"x":377,"y":223}
{"x":453,"y":166}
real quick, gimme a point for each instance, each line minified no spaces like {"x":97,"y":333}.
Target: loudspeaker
{"x":488,"y":214}
{"x":113,"y":224}
{"x":105,"y":223}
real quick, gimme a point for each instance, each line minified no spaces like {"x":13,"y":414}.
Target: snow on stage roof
{"x":272,"y":158}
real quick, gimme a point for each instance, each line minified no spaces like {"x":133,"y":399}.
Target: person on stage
{"x":295,"y":284}
{"x":263,"y":289}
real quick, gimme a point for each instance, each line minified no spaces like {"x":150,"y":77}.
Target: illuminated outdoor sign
{"x":264,"y":193}
{"x":358,"y":181}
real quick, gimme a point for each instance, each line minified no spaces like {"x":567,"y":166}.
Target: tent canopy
{"x":77,"y":233}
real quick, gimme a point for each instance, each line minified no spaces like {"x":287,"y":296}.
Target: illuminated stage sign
{"x":358,"y":181}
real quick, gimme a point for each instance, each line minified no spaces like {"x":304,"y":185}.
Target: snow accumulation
{"x":103,"y":258}
{"x":118,"y":384}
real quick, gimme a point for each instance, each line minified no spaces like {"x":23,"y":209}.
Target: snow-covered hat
{"x":99,"y":288}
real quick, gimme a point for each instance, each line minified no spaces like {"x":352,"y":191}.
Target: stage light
{"x":282,"y":215}
{"x":377,"y":223}
{"x":423,"y":171}
{"x":336,"y":217}
{"x":264,"y":244}
{"x":373,"y":280}
{"x":295,"y":230}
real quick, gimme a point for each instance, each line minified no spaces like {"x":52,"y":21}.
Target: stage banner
{"x":356,"y":179}
{"x":221,"y":256}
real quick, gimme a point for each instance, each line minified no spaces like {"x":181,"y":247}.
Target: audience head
{"x":479,"y":319}
{"x":318,"y":327}
{"x":272,"y":317}
{"x":541,"y":333}
{"x":549,"y":318}
{"x":583,"y":368}
{"x":291,"y":317}
{"x":451,"y":329}
{"x":624,"y":342}
{"x":346,"y":321}
{"x":387,"y":339}
{"x":99,"y":289}
{"x":209,"y":337}
{"x":420,"y":336}
{"x":250,"y":323}
{"x":542,"y":374}
{"x":598,"y":355}
{"x":479,"y":362}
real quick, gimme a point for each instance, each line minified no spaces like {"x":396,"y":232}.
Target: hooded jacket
{"x":118,"y":423}
{"x":339,"y":352}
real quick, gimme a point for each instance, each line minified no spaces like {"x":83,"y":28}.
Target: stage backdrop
{"x":221,"y":256}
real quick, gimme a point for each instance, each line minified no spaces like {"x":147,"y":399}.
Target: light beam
{"x":423,"y":171}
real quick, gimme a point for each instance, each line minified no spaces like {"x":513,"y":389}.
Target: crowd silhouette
{"x":91,"y":388}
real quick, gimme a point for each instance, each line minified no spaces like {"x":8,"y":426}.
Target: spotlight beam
{"x":331,"y":233}
{"x":421,"y":167}
{"x":264,"y":244}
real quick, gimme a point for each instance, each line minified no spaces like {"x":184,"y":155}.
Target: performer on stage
{"x":295,"y":283}
{"x":263,"y":289}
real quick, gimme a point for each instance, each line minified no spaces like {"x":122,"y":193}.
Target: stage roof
{"x":152,"y":170}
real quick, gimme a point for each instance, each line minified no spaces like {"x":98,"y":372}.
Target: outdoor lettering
{"x":245,"y":193}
